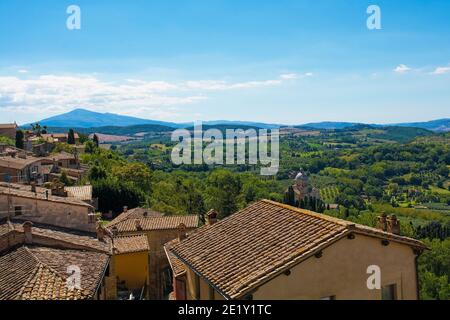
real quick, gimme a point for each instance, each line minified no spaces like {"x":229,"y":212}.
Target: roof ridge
{"x":348,"y":224}
{"x":31,"y":276}
{"x":311,"y":213}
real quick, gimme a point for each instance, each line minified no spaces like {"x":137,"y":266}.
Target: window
{"x":389,"y":292}
{"x":18,"y":211}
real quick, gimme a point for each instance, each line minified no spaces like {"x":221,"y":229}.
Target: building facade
{"x":273,"y":251}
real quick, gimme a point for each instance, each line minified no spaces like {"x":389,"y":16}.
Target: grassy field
{"x":329,"y":194}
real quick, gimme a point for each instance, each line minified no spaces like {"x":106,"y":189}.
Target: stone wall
{"x":48,"y":212}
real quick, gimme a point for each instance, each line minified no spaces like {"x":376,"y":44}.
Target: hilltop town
{"x":130,"y":226}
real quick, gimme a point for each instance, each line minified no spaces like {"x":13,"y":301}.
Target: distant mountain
{"x":242,"y":123}
{"x":441,"y":125}
{"x":81,"y":118}
{"x":329,"y":125}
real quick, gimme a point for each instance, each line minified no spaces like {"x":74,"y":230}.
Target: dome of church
{"x":300,"y":176}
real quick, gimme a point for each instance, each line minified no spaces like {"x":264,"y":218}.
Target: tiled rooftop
{"x":71,"y":238}
{"x":20,"y":191}
{"x":260,"y":241}
{"x":131,"y":244}
{"x":83,"y":193}
{"x":178,"y":267}
{"x":40,"y":273}
{"x":155,"y":223}
{"x":136,"y":213}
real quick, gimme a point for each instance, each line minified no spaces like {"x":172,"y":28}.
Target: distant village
{"x":266,"y":251}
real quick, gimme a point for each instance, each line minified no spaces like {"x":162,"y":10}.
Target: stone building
{"x":303,"y":189}
{"x":159,"y":229}
{"x":21,"y":168}
{"x":39,"y":262}
{"x":8,"y":130}
{"x":39,"y":205}
{"x":271,"y":251}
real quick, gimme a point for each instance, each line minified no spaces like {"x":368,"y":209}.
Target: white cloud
{"x":293,"y":76}
{"x":441,"y":70}
{"x":52,"y":93}
{"x":218,"y":85}
{"x":289,"y":76}
{"x":48,"y":94}
{"x":402,"y":69}
{"x":22,"y":71}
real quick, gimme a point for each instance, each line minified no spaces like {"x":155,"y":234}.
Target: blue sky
{"x":274,"y":61}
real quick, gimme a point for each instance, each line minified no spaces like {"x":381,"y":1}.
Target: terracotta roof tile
{"x":178,"y":267}
{"x":20,"y":191}
{"x":130,"y":244}
{"x":68,"y":238}
{"x":82,"y":193}
{"x":136,"y":213}
{"x":17,"y":162}
{"x":40,"y":273}
{"x":155,"y":223}
{"x":260,"y":241}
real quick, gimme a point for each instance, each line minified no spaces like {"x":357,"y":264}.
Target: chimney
{"x":28,"y":230}
{"x":125,"y":209}
{"x":137,"y":223}
{"x":393,"y":225}
{"x":115,"y":231}
{"x":182,"y":232}
{"x":211,"y":217}
{"x":145,"y":214}
{"x":382,"y":222}
{"x":100,"y":233}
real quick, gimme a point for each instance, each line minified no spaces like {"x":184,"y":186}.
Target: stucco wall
{"x":158,"y":259}
{"x":191,"y":290}
{"x":132,"y":268}
{"x":49,"y":212}
{"x":342,"y":272}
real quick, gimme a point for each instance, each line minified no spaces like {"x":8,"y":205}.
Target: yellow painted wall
{"x":133,"y":268}
{"x":342,"y":272}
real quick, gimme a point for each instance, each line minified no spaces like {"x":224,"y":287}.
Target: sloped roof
{"x":257,"y":243}
{"x":136,"y":213}
{"x":178,"y":267}
{"x":8,"y":126}
{"x":131,"y":244}
{"x":19,"y":191}
{"x":17,"y":162}
{"x":61,"y":236}
{"x":83,"y":193}
{"x":156,"y":223}
{"x":40,"y":273}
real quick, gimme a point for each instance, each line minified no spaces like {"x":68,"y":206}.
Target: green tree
{"x":223,"y":190}
{"x":114,"y":195}
{"x":71,"y":137}
{"x":19,"y":139}
{"x":65,"y":179}
{"x":96,"y":141}
{"x":6,"y":140}
{"x":136,"y":173}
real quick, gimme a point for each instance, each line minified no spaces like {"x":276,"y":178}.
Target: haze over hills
{"x":82,"y":118}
